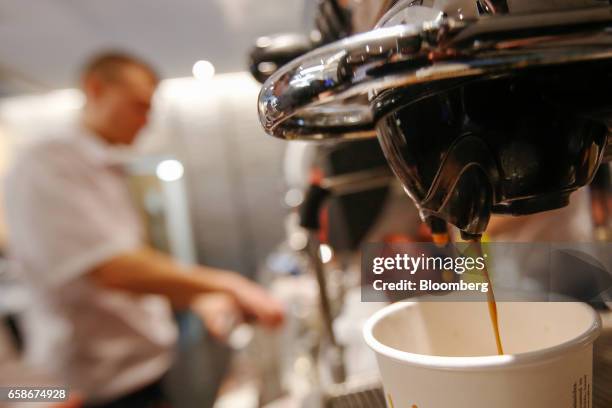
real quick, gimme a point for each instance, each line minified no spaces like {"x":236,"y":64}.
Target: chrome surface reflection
{"x":325,"y":94}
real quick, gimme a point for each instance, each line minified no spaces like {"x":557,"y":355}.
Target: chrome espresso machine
{"x":480,"y":107}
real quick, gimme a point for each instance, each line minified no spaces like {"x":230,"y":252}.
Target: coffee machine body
{"x":480,"y":107}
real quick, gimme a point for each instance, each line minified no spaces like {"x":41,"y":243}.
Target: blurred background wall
{"x":42,"y":44}
{"x":5,"y":153}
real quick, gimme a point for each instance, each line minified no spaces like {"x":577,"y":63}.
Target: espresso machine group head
{"x":480,"y":107}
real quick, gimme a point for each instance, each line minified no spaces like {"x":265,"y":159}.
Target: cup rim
{"x":490,"y":362}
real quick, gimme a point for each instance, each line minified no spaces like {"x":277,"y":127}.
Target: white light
{"x":326,"y":253}
{"x":298,"y":240}
{"x":263,"y":42}
{"x":315,"y":36}
{"x":203,"y":70}
{"x":169,"y":170}
{"x":266,"y":67}
{"x":294,"y":197}
{"x":241,"y":336}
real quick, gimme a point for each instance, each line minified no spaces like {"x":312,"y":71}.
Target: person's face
{"x":124,"y":103}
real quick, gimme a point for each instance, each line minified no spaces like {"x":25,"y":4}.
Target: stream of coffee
{"x":442,"y":239}
{"x":491,"y":303}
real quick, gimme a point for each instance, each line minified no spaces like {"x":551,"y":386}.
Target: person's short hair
{"x":107,"y":65}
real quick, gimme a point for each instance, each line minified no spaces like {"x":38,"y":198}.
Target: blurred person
{"x":102,"y":320}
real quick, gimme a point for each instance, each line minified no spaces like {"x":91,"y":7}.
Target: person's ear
{"x":93,"y":87}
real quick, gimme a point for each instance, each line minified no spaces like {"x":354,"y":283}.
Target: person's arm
{"x":149,"y":271}
{"x":66,"y":231}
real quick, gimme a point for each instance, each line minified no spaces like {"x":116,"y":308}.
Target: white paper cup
{"x":443,"y":354}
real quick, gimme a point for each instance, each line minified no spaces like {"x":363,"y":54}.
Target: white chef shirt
{"x":68,"y":210}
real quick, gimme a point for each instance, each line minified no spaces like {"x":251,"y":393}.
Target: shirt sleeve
{"x":60,"y":225}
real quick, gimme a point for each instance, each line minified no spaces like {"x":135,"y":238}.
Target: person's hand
{"x":220,"y":313}
{"x":256,"y":302}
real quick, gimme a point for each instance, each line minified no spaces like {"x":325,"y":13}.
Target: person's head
{"x":118,"y":90}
